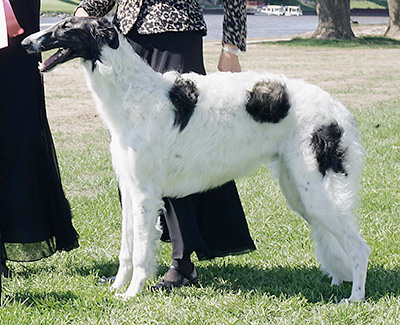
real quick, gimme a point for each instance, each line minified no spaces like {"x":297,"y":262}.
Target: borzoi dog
{"x":173,"y":135}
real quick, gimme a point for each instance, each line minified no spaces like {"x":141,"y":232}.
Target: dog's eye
{"x":66,"y":25}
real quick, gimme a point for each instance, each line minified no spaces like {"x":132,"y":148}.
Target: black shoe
{"x":107,"y":280}
{"x":185,"y":280}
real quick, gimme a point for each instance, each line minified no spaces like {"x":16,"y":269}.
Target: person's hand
{"x":80,"y":12}
{"x":229,"y":61}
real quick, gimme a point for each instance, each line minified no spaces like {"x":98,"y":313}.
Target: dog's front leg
{"x":125,"y":269}
{"x":145,"y":241}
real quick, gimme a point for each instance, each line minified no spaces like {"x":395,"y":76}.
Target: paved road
{"x":263,"y":26}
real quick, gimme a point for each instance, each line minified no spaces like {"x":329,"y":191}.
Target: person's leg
{"x":181,"y":221}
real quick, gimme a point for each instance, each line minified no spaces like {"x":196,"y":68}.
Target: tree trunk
{"x":334,"y":19}
{"x":393,"y":29}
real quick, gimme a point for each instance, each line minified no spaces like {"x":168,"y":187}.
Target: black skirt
{"x":212,"y":223}
{"x":35,"y":217}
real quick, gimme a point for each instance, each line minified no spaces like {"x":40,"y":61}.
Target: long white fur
{"x":153,"y":159}
{"x":222,"y":141}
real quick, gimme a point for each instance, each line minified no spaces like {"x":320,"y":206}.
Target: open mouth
{"x":62,"y":55}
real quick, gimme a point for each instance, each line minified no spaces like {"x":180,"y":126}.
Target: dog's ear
{"x":105,"y":33}
{"x":112,"y":38}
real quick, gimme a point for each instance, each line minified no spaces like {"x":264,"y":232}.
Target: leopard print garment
{"x":157,"y":16}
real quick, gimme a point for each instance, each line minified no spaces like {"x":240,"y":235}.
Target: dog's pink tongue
{"x":50,"y":60}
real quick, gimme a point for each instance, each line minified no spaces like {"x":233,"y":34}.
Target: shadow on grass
{"x":102,"y":268}
{"x":311,"y":283}
{"x":106,"y":268}
{"x":278,"y":281}
{"x":362,"y":42}
{"x":45,"y":299}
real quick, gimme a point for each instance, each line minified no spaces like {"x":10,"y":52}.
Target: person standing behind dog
{"x":35,"y":218}
{"x":168,"y":35}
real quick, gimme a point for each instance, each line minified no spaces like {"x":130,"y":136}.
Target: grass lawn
{"x":368,"y":4}
{"x":67,"y":6}
{"x":280,"y":283}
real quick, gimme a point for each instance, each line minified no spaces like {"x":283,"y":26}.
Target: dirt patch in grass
{"x":70,"y":107}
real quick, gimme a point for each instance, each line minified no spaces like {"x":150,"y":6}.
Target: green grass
{"x":362,"y":42}
{"x":280,"y":283}
{"x":370,"y":4}
{"x":65,"y":6}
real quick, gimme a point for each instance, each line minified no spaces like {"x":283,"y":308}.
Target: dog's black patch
{"x":326,"y":143}
{"x":183,"y":96}
{"x":268,"y":102}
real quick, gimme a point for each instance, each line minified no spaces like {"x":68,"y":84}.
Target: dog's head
{"x":76,"y":37}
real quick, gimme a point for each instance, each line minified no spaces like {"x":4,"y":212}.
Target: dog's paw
{"x":336,"y":281}
{"x":118,"y":285}
{"x":133,"y":290}
{"x":344,"y":301}
{"x":349,"y":301}
{"x":127,"y":295}
{"x":124,"y":295}
{"x":121,"y":280}
{"x":119,"y":296}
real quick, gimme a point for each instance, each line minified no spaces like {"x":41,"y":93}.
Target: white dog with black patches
{"x":173,"y":135}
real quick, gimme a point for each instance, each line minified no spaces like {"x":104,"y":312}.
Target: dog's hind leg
{"x":146,"y":238}
{"x":343,"y":254}
{"x":289,"y":188}
{"x":359,"y":252}
{"x":338,"y":245}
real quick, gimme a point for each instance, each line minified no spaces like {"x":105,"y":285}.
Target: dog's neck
{"x":125,"y":66}
{"x":122,"y":79}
